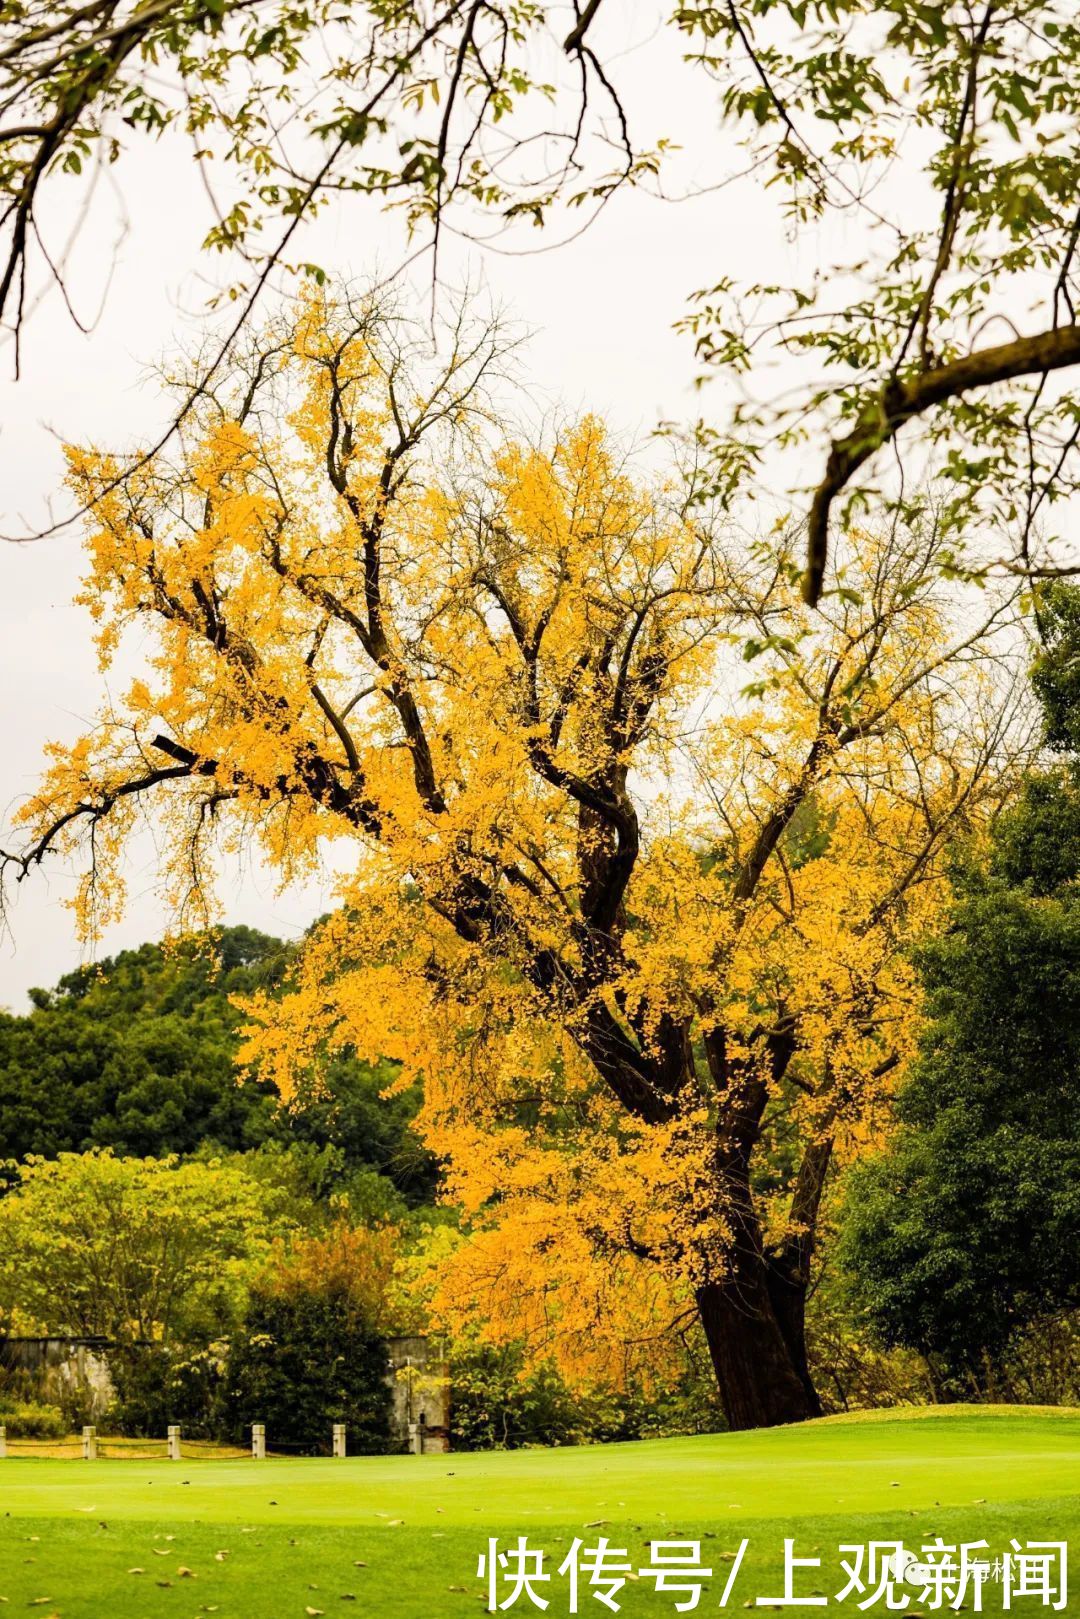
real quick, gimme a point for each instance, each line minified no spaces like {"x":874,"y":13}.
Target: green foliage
{"x":1036,"y":845}
{"x":961,"y":1239}
{"x":969,"y":1225}
{"x":1042,"y":1364}
{"x":966,"y":1229}
{"x":371,"y":1131}
{"x":304,"y":1360}
{"x":159,"y":1384}
{"x":129,"y":1248}
{"x":27,"y":1419}
{"x":138,"y":1054}
{"x":1056,"y":672}
{"x":496,"y":1404}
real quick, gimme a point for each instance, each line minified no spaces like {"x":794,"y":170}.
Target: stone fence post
{"x":174,"y":1443}
{"x":3,"y":1440}
{"x":339,"y":1439}
{"x":258,"y":1441}
{"x":89,"y":1444}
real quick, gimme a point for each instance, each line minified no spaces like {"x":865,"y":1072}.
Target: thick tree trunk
{"x":787,"y":1293}
{"x":754,"y":1318}
{"x":760,"y":1383}
{"x":788,"y":1271}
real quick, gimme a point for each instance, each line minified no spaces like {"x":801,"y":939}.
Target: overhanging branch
{"x":904,"y":399}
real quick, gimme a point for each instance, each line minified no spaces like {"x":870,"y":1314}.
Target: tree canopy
{"x":129,"y":1249}
{"x":965,"y":1230}
{"x":311,"y":1351}
{"x":637,"y":844}
{"x":138,"y":1053}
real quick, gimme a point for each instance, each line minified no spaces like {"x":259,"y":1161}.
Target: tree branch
{"x":904,"y":399}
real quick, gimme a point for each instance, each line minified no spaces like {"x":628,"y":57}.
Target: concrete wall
{"x":63,"y":1367}
{"x":419,"y":1379}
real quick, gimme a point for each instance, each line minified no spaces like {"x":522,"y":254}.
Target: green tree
{"x":132,"y":1249}
{"x":968,"y":1227}
{"x":138,"y":1053}
{"x":311,"y":1351}
{"x":965,"y":1231}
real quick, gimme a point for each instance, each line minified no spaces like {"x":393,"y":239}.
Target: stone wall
{"x":64,"y":1368}
{"x":419,"y":1379}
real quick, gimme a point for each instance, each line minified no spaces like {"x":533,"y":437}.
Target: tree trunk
{"x":788,"y":1270}
{"x":787,"y":1294}
{"x":754,"y":1316}
{"x":760,"y":1385}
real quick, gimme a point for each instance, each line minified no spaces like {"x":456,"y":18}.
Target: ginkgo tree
{"x":632,"y":842}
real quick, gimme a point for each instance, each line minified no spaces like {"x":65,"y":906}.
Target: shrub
{"x":311,"y":1352}
{"x":159,"y":1384}
{"x":499,"y":1404}
{"x":301,"y":1363}
{"x":26,"y":1419}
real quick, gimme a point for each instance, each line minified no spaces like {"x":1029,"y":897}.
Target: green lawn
{"x":401,"y":1535}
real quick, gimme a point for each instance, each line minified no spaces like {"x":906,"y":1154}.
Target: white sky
{"x":601,"y":309}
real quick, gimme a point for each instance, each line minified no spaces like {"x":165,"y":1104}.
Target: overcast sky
{"x":601,"y":310}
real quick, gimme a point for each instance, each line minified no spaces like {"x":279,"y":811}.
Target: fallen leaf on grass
{"x":313,"y":1613}
{"x":136,"y":1571}
{"x":359,"y":1565}
{"x":219,"y":1557}
{"x":185,"y":1573}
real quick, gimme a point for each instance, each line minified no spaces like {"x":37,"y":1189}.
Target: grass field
{"x":399,"y":1536}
